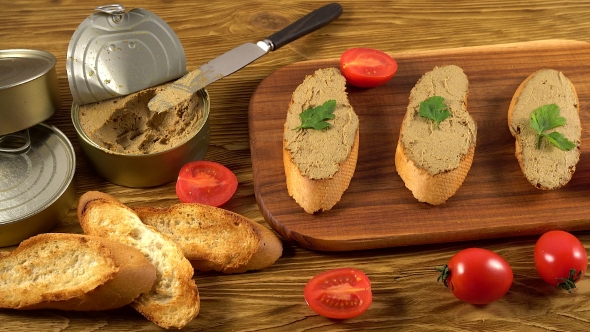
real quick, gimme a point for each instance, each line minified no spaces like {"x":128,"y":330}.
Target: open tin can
{"x":37,"y":161}
{"x":112,"y":54}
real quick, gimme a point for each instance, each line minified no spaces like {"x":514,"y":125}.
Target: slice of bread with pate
{"x":173,"y":301}
{"x":545,"y":165}
{"x":434,"y":159}
{"x":215,"y":239}
{"x":319,"y":163}
{"x":73,"y":272}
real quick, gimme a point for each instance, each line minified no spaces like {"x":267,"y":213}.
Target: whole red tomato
{"x":477,"y":276}
{"x":560,"y":259}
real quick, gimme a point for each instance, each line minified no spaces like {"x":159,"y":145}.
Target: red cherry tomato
{"x":560,"y":259}
{"x":205,"y":182}
{"x":367,"y":67}
{"x":477,"y":276}
{"x":340,"y":293}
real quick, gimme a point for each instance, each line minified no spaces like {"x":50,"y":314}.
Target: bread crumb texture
{"x":438,"y":151}
{"x":52,"y":269}
{"x":173,"y":301}
{"x":547,"y":167}
{"x":319,"y":153}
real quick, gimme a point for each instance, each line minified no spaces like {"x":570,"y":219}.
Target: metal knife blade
{"x":239,"y":57}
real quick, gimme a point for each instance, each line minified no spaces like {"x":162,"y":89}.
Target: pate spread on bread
{"x":434,"y":161}
{"x":546,"y":167}
{"x":319,"y":164}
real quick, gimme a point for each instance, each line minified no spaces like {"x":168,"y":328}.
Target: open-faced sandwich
{"x":437,"y":137}
{"x":544,"y":117}
{"x":321,"y":141}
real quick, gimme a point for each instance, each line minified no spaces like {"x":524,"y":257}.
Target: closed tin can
{"x":37,"y":189}
{"x":29,"y":92}
{"x":147,"y":170}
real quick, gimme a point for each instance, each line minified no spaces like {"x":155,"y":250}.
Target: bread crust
{"x":543,"y":183}
{"x":173,"y":300}
{"x":123,"y":275}
{"x":436,"y":188}
{"x":213,"y":238}
{"x":315,"y":195}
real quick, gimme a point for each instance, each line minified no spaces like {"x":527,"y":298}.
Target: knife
{"x":234,"y":60}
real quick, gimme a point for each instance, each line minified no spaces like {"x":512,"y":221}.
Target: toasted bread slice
{"x":433,"y":163}
{"x":215,"y":239}
{"x":73,"y":272}
{"x":319,"y":164}
{"x":173,"y":300}
{"x":548,"y":167}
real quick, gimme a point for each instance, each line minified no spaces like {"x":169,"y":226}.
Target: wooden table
{"x":406,"y":295}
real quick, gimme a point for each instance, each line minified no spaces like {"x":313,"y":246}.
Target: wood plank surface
{"x":495,"y":200}
{"x":406,"y":295}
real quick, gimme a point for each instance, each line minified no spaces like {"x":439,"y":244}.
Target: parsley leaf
{"x":315,"y":117}
{"x":434,"y":108}
{"x":546,"y":118}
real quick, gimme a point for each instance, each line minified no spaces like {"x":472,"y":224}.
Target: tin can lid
{"x":36,"y":167}
{"x":20,"y":66}
{"x":114,"y":53}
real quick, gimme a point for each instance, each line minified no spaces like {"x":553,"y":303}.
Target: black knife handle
{"x":307,"y":24}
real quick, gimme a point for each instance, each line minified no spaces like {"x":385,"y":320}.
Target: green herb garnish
{"x":315,"y":117}
{"x":434,"y":108}
{"x":545,"y":118}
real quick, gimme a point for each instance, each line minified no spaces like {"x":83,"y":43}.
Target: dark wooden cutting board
{"x":377,"y":210}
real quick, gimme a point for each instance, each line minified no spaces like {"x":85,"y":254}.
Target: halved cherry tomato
{"x":477,"y":276}
{"x":560,"y":259}
{"x":367,"y":67}
{"x":340,"y":293}
{"x":205,"y":182}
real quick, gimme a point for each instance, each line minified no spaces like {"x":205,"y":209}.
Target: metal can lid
{"x":114,"y":53}
{"x":36,"y":167}
{"x":20,"y":66}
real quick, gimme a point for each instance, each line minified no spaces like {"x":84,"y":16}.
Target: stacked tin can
{"x":37,"y":161}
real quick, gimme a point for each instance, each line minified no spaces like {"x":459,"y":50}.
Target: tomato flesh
{"x":556,"y":254}
{"x":367,"y":67}
{"x":341,"y":293}
{"x":478,"y":276}
{"x":205,"y":182}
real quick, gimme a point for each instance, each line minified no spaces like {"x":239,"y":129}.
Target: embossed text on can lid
{"x":114,"y":53}
{"x":33,"y":176}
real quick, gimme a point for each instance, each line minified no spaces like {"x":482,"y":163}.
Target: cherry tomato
{"x":205,"y":182}
{"x":340,"y":293}
{"x":367,"y":67}
{"x":477,"y":276}
{"x":560,"y":259}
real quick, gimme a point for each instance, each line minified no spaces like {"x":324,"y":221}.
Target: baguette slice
{"x":215,"y":239}
{"x":433,"y":163}
{"x":319,"y":164}
{"x":173,"y":300}
{"x":73,"y":272}
{"x":548,"y":167}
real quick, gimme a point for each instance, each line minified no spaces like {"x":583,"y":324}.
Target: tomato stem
{"x":444,"y":274}
{"x":569,"y":283}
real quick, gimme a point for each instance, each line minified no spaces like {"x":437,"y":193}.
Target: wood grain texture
{"x":406,"y":295}
{"x":377,"y":193}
